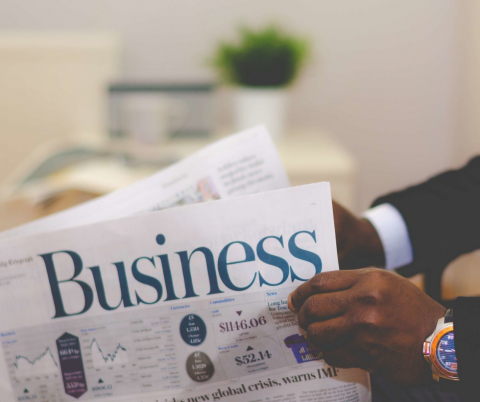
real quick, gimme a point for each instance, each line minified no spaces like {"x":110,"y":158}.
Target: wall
{"x":468,"y":94}
{"x":382,"y":78}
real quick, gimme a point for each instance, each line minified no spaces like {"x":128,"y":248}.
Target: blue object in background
{"x":301,"y":350}
{"x":197,"y":98}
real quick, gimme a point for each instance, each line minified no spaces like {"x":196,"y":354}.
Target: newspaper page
{"x":187,"y":304}
{"x":240,"y":164}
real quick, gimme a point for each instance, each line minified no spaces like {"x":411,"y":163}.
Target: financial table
{"x":183,"y":345}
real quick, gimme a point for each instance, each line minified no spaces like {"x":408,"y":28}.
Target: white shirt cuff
{"x":393,"y":233}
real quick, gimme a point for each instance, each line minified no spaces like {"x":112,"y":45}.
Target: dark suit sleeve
{"x":466,"y":326}
{"x":442,"y":216}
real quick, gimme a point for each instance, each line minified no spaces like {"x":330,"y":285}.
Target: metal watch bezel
{"x":430,"y":349}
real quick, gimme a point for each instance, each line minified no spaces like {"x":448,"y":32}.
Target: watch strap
{"x":449,"y":315}
{"x":449,"y":385}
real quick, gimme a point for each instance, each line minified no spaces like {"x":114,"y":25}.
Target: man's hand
{"x":370,"y":319}
{"x":358,"y":243}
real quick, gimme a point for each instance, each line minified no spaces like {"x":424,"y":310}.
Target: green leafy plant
{"x":268,"y":57}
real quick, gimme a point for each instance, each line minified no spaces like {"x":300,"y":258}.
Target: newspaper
{"x":186,"y":304}
{"x":240,"y":164}
{"x":156,"y":329}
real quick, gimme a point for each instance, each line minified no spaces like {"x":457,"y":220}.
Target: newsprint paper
{"x":185,"y":304}
{"x":240,"y":164}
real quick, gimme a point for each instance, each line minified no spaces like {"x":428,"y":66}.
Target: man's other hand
{"x":358,"y":243}
{"x":368,"y":318}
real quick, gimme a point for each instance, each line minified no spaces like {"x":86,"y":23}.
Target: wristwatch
{"x":439,"y":351}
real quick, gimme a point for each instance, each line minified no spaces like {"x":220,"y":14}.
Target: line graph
{"x":116,"y":348}
{"x":43,"y":363}
{"x":102,"y":359}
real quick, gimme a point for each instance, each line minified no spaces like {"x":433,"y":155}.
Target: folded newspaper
{"x":185,"y":304}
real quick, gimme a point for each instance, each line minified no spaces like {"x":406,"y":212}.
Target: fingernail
{"x":290,"y":304}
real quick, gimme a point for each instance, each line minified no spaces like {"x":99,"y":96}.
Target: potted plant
{"x":262,"y":64}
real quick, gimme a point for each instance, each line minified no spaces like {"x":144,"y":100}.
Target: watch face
{"x":445,"y":352}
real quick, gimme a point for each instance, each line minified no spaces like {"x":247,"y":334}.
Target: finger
{"x":330,"y":334}
{"x":324,"y":282}
{"x":323,"y":306}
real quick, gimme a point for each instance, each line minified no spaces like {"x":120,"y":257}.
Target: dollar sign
{"x":239,"y":361}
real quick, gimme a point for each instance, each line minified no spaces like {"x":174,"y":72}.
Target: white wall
{"x":468,"y":94}
{"x":382,"y":79}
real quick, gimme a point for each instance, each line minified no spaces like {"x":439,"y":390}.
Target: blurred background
{"x":388,"y":93}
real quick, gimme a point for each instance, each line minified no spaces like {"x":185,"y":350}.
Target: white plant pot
{"x":254,"y":106}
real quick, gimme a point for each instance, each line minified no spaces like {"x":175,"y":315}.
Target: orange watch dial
{"x":443,"y":354}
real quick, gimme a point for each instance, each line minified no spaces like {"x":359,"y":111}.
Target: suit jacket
{"x":443,"y":220}
{"x":442,"y":217}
